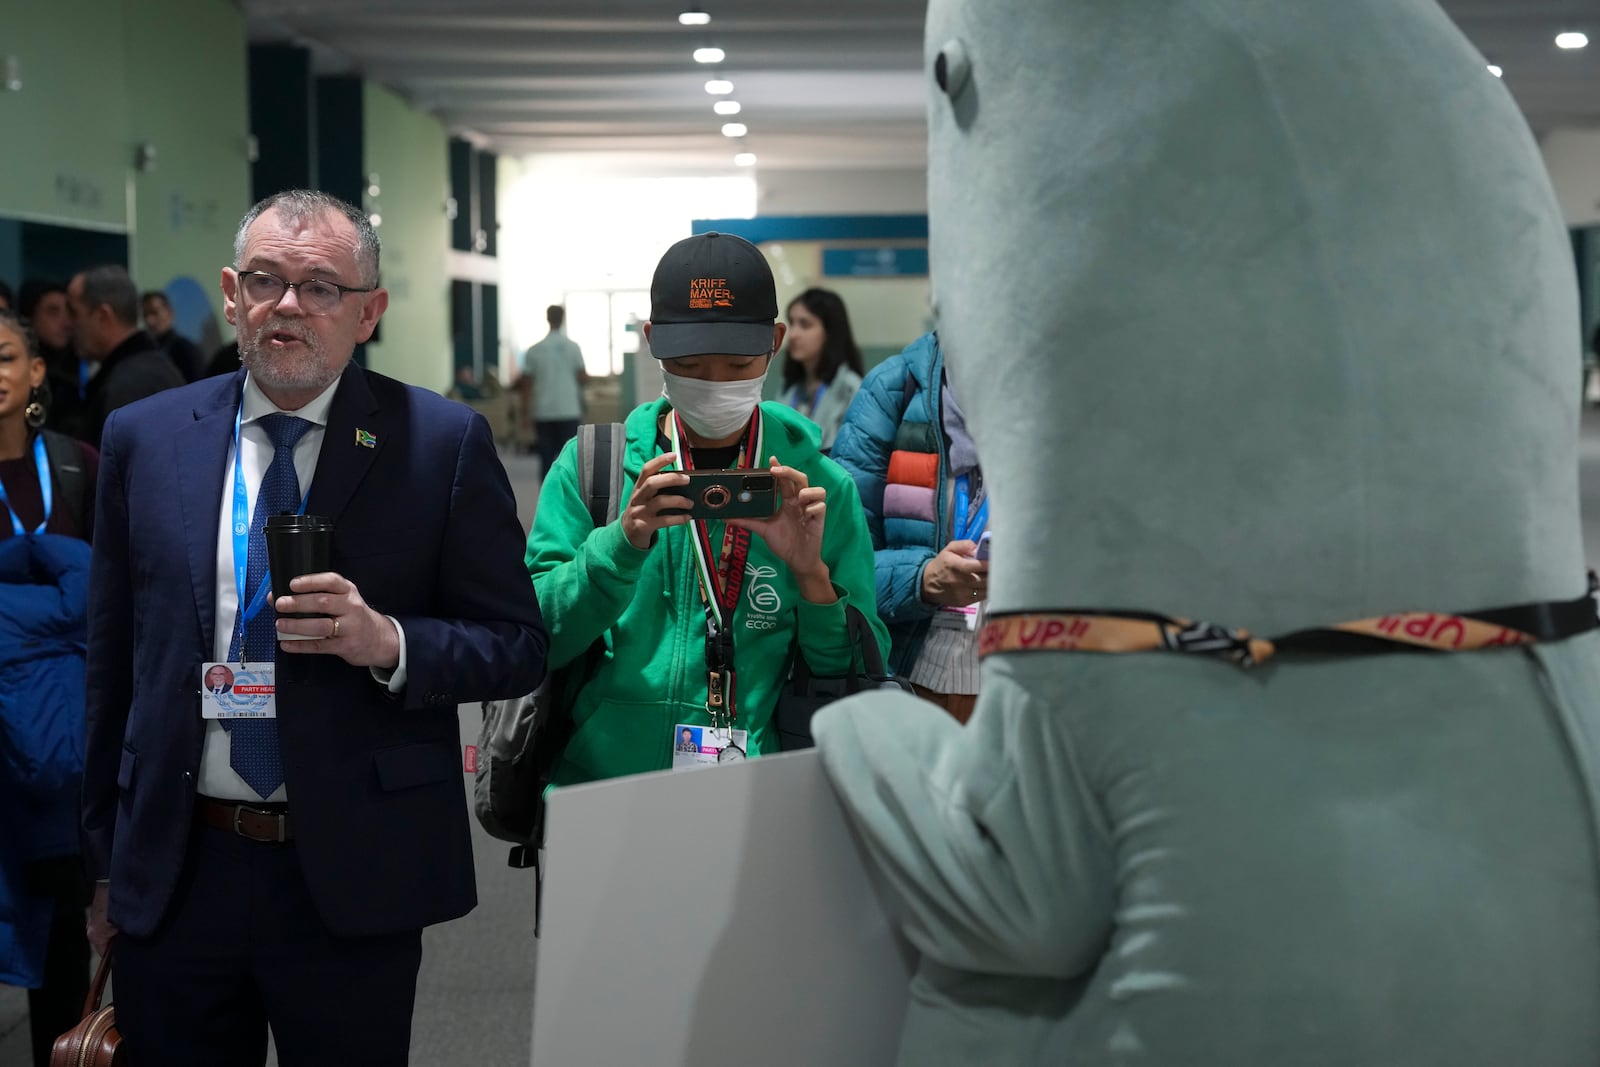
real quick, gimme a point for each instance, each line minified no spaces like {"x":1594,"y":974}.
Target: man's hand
{"x":100,"y":930}
{"x":642,"y":517}
{"x":954,"y":577}
{"x":352,"y":631}
{"x":794,"y":532}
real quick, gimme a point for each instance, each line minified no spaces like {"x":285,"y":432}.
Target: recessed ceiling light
{"x":745,"y":159}
{"x":693,"y":18}
{"x":1498,"y":72}
{"x":719,"y":87}
{"x":734,"y":129}
{"x":709,"y":55}
{"x":726,"y":107}
{"x":1572,"y":41}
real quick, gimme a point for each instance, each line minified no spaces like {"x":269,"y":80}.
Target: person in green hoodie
{"x":701,"y":620}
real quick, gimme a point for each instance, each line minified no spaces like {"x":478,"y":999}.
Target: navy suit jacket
{"x":426,"y":527}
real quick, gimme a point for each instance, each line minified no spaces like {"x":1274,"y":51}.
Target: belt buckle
{"x":240,"y":809}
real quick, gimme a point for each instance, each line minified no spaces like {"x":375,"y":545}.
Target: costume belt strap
{"x":1124,"y":632}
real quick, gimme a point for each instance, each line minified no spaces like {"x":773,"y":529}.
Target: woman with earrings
{"x":822,"y":366}
{"x":24,"y":407}
{"x":46,"y":518}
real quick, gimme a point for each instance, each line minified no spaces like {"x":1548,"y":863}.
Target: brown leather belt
{"x":246,"y":821}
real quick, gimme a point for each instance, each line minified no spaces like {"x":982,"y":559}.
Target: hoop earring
{"x":38,"y":409}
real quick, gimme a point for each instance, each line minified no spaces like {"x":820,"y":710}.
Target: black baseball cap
{"x":712,"y":294}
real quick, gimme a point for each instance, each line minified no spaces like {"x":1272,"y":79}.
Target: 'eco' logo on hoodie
{"x":763,"y":596}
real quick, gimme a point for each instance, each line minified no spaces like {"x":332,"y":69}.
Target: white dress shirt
{"x":217,"y":778}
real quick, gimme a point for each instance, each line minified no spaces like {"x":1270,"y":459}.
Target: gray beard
{"x":309,"y":371}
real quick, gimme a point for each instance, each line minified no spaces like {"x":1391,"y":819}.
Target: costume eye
{"x":951,"y":69}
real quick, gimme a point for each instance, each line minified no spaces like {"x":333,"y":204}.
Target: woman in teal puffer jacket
{"x":904,"y":443}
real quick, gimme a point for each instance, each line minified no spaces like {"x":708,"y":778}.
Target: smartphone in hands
{"x":727,"y":494}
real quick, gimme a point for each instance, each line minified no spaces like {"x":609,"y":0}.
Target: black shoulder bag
{"x":807,"y":692}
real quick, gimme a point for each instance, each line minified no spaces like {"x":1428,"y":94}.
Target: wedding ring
{"x":335,"y":628}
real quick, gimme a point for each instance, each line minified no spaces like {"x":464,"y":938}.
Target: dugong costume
{"x":1262,"y":313}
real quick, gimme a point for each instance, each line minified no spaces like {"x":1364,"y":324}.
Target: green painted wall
{"x":66,"y":157}
{"x":409,"y":153}
{"x":187,"y":95}
{"x":101,"y":77}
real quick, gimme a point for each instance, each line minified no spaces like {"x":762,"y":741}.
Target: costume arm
{"x":984,"y":841}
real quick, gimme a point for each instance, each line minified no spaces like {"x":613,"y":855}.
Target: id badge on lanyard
{"x":721,"y":584}
{"x":704,"y":746}
{"x":238,"y":690}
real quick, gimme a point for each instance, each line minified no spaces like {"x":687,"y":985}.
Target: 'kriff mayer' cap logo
{"x":705,"y":293}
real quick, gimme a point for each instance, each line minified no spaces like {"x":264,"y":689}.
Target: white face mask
{"x":713,"y":410}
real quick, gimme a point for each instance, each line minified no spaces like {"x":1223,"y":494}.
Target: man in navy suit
{"x":279,"y":870}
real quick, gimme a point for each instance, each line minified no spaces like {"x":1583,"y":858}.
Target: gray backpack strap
{"x":600,"y":470}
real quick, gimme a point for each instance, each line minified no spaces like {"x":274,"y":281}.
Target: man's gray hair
{"x":302,"y":205}
{"x":111,"y":286}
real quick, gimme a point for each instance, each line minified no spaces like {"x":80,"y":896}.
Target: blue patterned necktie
{"x":253,"y":752}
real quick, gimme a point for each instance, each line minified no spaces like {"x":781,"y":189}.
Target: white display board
{"x":713,"y":917}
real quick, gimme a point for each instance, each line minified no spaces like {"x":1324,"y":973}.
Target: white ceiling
{"x":827,"y":84}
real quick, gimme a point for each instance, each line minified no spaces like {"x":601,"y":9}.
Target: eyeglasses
{"x":316,"y":296}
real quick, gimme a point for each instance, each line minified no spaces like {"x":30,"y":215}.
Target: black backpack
{"x":522,"y":738}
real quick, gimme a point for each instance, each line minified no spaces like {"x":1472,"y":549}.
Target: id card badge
{"x":702,"y":746}
{"x":237,"y":691}
{"x":965,"y":619}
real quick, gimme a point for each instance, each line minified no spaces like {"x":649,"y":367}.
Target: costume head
{"x":1261,"y":313}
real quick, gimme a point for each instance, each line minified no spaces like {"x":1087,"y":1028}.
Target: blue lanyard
{"x":241,"y":540}
{"x":797,"y":397}
{"x":968,"y":527}
{"x":816,"y":400}
{"x":43,"y":463}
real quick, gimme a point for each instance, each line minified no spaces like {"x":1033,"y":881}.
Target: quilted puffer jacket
{"x":892,"y":443}
{"x":43,"y":619}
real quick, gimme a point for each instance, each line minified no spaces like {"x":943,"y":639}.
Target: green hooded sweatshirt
{"x":592,"y":582}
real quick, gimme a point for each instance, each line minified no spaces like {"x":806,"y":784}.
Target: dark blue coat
{"x":426,"y":528}
{"x":43,"y":598}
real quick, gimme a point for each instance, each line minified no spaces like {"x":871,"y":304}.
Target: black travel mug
{"x":296,"y":545}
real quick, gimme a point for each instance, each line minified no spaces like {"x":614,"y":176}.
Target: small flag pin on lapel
{"x":365,"y":439}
